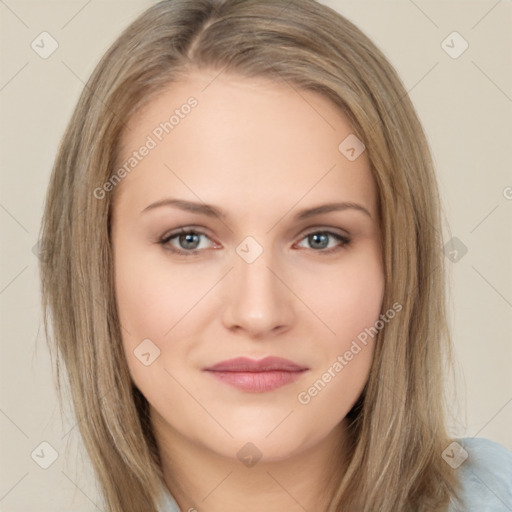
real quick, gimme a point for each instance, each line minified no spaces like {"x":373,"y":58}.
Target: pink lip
{"x":257,"y":376}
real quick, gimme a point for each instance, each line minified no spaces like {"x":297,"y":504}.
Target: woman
{"x":244,"y":273}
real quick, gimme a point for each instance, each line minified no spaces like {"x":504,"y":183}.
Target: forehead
{"x":227,"y":138}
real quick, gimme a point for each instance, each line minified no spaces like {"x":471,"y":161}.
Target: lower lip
{"x":257,"y":382}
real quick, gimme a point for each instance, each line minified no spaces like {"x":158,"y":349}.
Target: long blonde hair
{"x":398,"y":425}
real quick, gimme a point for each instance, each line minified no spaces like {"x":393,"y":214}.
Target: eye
{"x":319,"y":241}
{"x":188,"y":241}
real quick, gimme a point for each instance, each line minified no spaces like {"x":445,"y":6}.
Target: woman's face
{"x":260,"y":274}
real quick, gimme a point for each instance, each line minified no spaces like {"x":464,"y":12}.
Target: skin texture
{"x":261,"y":152}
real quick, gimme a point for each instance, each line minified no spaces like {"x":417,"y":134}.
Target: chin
{"x":263,"y":442}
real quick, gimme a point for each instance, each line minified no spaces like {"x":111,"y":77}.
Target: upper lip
{"x":245,"y":364}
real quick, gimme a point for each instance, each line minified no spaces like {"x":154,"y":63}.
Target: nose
{"x":258,"y":300}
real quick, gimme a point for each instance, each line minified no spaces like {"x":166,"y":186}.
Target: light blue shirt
{"x":485,"y":469}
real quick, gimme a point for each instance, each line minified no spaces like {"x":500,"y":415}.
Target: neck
{"x":200,"y":479}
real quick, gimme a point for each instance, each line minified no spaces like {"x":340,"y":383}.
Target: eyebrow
{"x":213,"y":211}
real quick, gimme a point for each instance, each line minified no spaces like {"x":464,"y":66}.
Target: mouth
{"x":257,"y":376}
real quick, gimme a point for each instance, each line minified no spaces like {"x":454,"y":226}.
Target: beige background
{"x":464,"y":103}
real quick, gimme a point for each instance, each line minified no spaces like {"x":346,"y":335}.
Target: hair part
{"x":398,"y":426}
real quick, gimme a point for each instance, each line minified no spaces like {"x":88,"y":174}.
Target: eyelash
{"x":164,"y":241}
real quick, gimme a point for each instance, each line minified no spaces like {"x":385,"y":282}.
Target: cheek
{"x":360,"y":295}
{"x":349,"y":303}
{"x":152,"y":301}
{"x":347,"y":297}
{"x":153,"y":295}
{"x":164,"y":303}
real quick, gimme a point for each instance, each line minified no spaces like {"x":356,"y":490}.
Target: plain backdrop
{"x":464,"y":99}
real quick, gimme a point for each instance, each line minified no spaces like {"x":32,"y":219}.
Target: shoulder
{"x":485,"y":469}
{"x":166,"y":501}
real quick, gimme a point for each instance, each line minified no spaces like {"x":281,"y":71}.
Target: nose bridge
{"x":258,"y":300}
